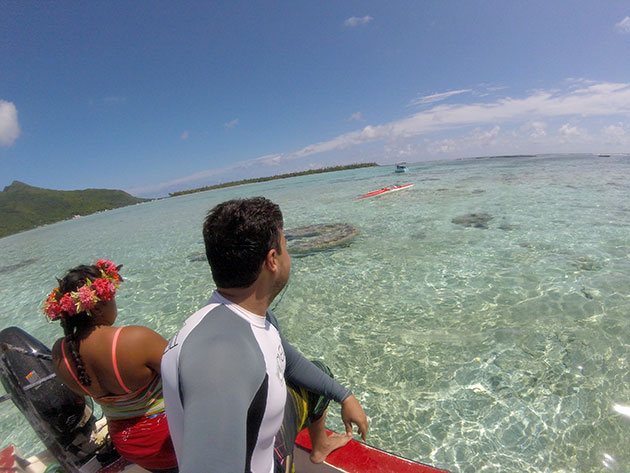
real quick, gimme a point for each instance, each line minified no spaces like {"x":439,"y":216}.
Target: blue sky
{"x":152,"y":97}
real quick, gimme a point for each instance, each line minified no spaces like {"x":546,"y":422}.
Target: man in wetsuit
{"x":225,"y":373}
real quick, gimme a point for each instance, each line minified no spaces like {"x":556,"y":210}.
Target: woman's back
{"x":117,"y":360}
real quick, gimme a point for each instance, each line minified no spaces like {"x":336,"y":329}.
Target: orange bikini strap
{"x":115,"y":362}
{"x":74,"y":376}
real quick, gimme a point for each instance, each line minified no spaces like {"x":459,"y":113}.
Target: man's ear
{"x":271,"y":260}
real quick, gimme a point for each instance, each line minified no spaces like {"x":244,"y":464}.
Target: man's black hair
{"x":238,"y":234}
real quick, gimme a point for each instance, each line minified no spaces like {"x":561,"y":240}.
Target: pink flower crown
{"x":61,"y":305}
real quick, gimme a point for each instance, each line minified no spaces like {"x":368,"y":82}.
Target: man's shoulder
{"x":191,"y":323}
{"x":221,"y":325}
{"x":201,"y":313}
{"x":212,"y":325}
{"x":219,"y":335}
{"x":198,"y":317}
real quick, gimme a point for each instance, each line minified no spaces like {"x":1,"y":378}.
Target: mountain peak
{"x":16,"y":185}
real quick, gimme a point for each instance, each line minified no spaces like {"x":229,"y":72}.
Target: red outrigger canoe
{"x":385,"y":190}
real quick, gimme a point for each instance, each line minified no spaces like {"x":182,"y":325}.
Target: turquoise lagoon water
{"x":475,"y":349}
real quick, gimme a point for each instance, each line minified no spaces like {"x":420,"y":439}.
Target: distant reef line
{"x":272,"y":178}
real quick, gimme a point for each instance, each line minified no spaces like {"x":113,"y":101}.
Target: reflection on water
{"x":480,"y":317}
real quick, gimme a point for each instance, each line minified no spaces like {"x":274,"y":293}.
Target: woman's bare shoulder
{"x":140,"y":330}
{"x":141,"y":334}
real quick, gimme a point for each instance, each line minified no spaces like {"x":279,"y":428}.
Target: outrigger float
{"x":76,"y":442}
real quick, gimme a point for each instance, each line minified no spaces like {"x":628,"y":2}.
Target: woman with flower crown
{"x":118,"y":366}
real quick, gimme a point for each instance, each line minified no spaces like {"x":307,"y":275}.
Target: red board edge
{"x":358,"y":457}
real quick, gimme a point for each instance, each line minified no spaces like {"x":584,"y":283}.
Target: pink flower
{"x":52,"y":310}
{"x":86,"y":297}
{"x":104,"y":289}
{"x":107,"y":266}
{"x":67,"y":305}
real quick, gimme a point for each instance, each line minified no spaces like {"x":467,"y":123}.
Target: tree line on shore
{"x":271,"y":178}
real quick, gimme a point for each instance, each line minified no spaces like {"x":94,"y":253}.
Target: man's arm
{"x":302,"y":372}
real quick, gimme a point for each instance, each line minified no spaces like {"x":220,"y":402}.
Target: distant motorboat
{"x":401,"y":167}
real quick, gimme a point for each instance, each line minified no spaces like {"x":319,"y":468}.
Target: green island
{"x":23,"y":207}
{"x":271,"y":178}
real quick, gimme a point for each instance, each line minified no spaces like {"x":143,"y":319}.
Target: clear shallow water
{"x":496,"y":349}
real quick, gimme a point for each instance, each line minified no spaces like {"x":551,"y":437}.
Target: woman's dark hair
{"x":73,"y":280}
{"x":238,"y":234}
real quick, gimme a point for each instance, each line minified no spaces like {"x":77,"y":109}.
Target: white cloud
{"x":355,"y":21}
{"x":185,"y":135}
{"x":485,"y":89}
{"x":473,"y":142}
{"x":9,"y":126}
{"x":446,"y":146}
{"x":356,"y":117}
{"x":623,"y":26}
{"x":231,"y":123}
{"x":616,"y":134}
{"x":275,"y":161}
{"x":580,"y":81}
{"x":496,"y":88}
{"x":487,"y":137}
{"x":437,"y":97}
{"x":535,"y":129}
{"x":568,"y":133}
{"x":269,"y":159}
{"x":402,"y":151}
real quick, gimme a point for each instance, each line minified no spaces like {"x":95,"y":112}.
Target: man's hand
{"x":352,"y":413}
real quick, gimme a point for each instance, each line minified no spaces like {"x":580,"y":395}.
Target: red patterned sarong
{"x":144,"y":441}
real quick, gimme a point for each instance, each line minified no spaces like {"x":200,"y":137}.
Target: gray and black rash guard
{"x":223,"y":377}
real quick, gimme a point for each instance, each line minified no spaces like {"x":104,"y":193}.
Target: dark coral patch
{"x":474,"y":220}
{"x":304,"y":240}
{"x":13,"y":267}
